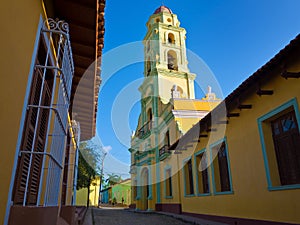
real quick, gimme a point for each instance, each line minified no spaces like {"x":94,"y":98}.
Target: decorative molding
{"x":189,"y":113}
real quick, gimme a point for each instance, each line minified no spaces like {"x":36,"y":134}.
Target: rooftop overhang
{"x":86,"y":24}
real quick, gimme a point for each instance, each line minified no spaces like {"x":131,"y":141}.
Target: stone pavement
{"x":120,"y":216}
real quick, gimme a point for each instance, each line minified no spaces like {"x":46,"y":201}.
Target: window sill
{"x":168,"y":197}
{"x":192,"y":195}
{"x":284,"y":187}
{"x":224,"y":193}
{"x":203,"y":194}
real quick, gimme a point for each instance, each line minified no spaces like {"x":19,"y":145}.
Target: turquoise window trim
{"x":224,"y":193}
{"x":215,"y":192}
{"x":167,"y":167}
{"x":187,"y":196}
{"x":166,"y":121}
{"x":145,"y":162}
{"x":291,"y":103}
{"x":168,"y":197}
{"x":196,"y":169}
{"x":284,"y":187}
{"x":184,"y":161}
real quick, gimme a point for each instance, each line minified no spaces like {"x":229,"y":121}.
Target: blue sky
{"x":234,"y":38}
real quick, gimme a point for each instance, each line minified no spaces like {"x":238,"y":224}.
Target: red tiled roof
{"x":163,"y":9}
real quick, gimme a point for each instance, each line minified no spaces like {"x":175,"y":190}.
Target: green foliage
{"x":88,"y":162}
{"x":85,"y":173}
{"x":113,"y":179}
{"x":92,"y":154}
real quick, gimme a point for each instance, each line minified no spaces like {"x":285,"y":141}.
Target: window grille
{"x":45,"y":127}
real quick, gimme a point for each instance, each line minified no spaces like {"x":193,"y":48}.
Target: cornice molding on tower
{"x":178,"y":74}
{"x":168,"y":27}
{"x":189,"y":113}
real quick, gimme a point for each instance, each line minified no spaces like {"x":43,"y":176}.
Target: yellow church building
{"x":240,"y":162}
{"x":169,"y":107}
{"x":49,"y":83}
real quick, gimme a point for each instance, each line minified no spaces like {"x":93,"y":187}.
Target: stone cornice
{"x":178,"y":74}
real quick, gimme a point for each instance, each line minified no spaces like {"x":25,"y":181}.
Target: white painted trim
{"x":189,"y":113}
{"x":22,"y":120}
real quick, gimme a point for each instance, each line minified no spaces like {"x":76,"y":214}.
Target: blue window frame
{"x":188,"y":180}
{"x":280,"y":140}
{"x":220,"y":167}
{"x":202,"y":175}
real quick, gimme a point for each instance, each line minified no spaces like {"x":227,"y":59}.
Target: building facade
{"x":251,"y":173}
{"x":240,"y":163}
{"x":46,"y":52}
{"x":105,"y":196}
{"x":82,"y":194}
{"x":168,"y":106}
{"x":121,"y":192}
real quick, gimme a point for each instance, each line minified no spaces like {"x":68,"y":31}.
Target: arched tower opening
{"x":171,"y":38}
{"x":172,"y":60}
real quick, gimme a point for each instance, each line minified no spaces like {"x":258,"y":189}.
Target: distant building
{"x":46,"y":51}
{"x":248,"y":175}
{"x":122,"y":192}
{"x":105,"y":196}
{"x":82,"y":194}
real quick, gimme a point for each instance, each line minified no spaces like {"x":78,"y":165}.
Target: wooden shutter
{"x":28,"y":143}
{"x":287,"y":148}
{"x":223,"y":168}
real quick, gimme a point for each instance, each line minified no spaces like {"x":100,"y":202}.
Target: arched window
{"x":171,"y":38}
{"x":172,"y":60}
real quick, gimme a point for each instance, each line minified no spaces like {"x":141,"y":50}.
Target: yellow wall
{"x":81,"y":194}
{"x":251,"y":198}
{"x":19,"y":23}
{"x":166,"y":83}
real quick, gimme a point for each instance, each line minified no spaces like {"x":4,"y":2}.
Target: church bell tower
{"x":165,"y":57}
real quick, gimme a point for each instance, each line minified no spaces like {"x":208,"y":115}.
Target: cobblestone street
{"x":119,"y":216}
{"x":125,"y":217}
